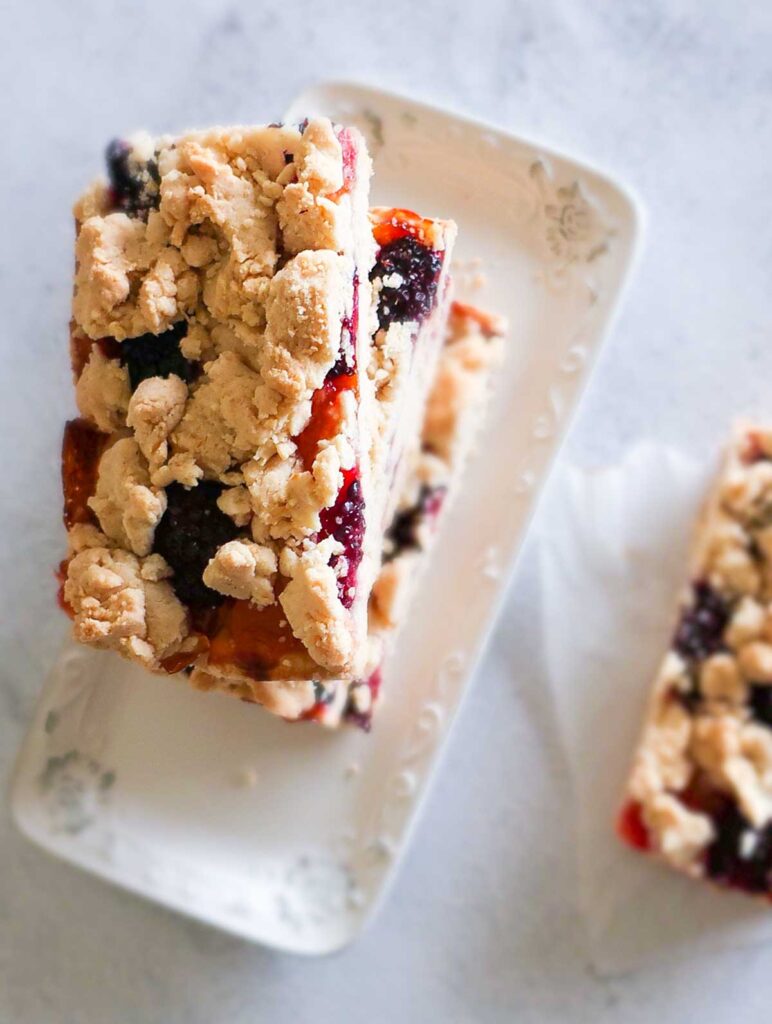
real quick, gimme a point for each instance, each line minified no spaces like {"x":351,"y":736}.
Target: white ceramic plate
{"x":287,"y":834}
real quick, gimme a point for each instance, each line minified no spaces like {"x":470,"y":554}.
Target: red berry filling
{"x":364,"y":719}
{"x":82,"y":448}
{"x":255,"y":640}
{"x":349,"y":155}
{"x":630,"y":826}
{"x":753,"y":450}
{"x":81,"y":346}
{"x":326,"y":414}
{"x":401,"y":223}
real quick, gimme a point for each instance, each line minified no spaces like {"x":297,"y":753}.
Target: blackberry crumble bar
{"x":700,"y":792}
{"x":219,"y":494}
{"x":226,"y":484}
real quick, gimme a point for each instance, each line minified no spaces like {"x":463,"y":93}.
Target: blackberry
{"x":343,"y":365}
{"x":156,"y":355}
{"x":190,"y":532}
{"x":760,"y":702}
{"x":700,"y":631}
{"x":402,"y":534}
{"x":134,"y":183}
{"x":740,"y":856}
{"x":418,"y":269}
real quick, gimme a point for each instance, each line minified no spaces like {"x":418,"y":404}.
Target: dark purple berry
{"x":403,"y":533}
{"x":347,"y":357}
{"x":323,"y":694}
{"x":691,"y":699}
{"x":363,"y":719}
{"x":342,"y":366}
{"x":419,"y":271}
{"x":345,"y":521}
{"x":190,"y":532}
{"x":760,"y":702}
{"x":700,"y":631}
{"x":740,"y":856}
{"x":157,"y":355}
{"x":134,"y":182}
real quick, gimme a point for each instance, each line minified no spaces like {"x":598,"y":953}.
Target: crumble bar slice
{"x":219,"y":492}
{"x":700,"y":792}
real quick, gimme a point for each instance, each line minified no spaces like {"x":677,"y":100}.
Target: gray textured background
{"x":481,"y":925}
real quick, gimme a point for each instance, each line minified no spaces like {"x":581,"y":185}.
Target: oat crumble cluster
{"x":252,"y":350}
{"x":700,"y":792}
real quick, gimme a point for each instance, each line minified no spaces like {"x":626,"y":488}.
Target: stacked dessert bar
{"x":266,"y":405}
{"x":700,"y":792}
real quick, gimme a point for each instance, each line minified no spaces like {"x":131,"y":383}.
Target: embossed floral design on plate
{"x":145,"y":786}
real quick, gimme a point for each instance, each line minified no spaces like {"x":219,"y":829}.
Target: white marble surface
{"x":481,"y":924}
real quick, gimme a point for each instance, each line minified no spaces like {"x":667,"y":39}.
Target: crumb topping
{"x":243,"y":570}
{"x":154,"y":410}
{"x":102,"y":392}
{"x":117,"y":605}
{"x":238,"y":249}
{"x":126,"y":504}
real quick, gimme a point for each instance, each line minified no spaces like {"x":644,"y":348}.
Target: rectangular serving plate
{"x":286,"y":834}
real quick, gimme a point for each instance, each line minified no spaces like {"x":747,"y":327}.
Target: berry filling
{"x":630,"y":826}
{"x":134,"y":183}
{"x":255,"y":640}
{"x":157,"y":355}
{"x":410,"y":273}
{"x":61,"y":579}
{"x":190,"y":531}
{"x":364,"y":719}
{"x":345,"y":521}
{"x":80,"y":350}
{"x":700,"y":631}
{"x":326,"y":415}
{"x":82,"y":448}
{"x":349,"y":155}
{"x":487,"y":324}
{"x":323,"y":695}
{"x":404,"y":532}
{"x":760,"y":703}
{"x":740,"y":856}
{"x":754,"y":449}
{"x":184,"y":659}
{"x":402,"y":223}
